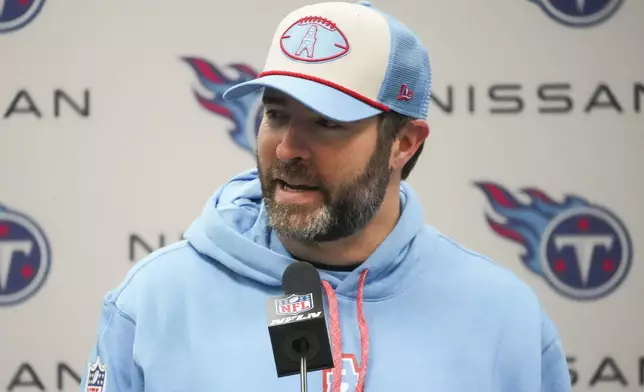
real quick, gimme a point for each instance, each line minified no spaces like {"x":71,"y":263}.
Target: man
{"x":343,"y":126}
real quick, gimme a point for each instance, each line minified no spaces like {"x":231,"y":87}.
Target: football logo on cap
{"x":314,"y":39}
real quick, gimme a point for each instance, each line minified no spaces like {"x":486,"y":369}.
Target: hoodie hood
{"x":233,"y":230}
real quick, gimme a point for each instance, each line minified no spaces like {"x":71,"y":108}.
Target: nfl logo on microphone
{"x":96,"y":376}
{"x":294,"y":304}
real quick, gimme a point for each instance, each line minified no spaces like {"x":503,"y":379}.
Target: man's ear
{"x":407,"y":142}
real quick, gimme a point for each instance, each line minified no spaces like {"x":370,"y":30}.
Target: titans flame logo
{"x":245,"y":113}
{"x":579,"y":13}
{"x":16,"y":14}
{"x":582,"y":250}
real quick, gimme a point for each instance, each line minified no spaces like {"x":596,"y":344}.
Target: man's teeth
{"x":297,"y":188}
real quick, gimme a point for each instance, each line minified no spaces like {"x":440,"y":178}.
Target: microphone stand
{"x":303,"y":374}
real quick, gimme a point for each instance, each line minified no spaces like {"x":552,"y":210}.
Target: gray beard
{"x":330,"y":221}
{"x":357,"y":202}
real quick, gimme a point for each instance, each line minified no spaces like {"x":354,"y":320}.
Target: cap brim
{"x":328,"y":101}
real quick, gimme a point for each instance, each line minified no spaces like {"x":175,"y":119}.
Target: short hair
{"x":390,"y":124}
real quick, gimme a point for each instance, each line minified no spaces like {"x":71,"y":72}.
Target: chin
{"x":299,"y":221}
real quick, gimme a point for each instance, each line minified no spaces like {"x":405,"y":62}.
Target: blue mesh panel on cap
{"x":408,"y":65}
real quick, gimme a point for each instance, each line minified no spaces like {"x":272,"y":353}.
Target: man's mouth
{"x":294,"y":187}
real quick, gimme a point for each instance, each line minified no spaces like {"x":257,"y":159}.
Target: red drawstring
{"x":364,"y":334}
{"x":336,"y":335}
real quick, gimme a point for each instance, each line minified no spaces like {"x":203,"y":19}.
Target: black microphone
{"x":297,"y":324}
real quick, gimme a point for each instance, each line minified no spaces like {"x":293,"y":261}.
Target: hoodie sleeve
{"x":555,"y":376}
{"x":530,"y":357}
{"x":111,"y":362}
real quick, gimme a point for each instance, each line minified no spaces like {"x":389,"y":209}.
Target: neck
{"x":357,"y":247}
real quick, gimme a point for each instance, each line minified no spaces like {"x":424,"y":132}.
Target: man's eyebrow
{"x":271,"y":99}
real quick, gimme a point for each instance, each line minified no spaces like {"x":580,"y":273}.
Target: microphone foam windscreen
{"x":300,"y":277}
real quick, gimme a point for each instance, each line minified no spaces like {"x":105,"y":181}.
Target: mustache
{"x":294,"y":171}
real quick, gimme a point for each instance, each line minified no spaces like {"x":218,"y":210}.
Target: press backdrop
{"x":111,"y":142}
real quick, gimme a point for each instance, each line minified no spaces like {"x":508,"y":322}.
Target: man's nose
{"x":293,"y":144}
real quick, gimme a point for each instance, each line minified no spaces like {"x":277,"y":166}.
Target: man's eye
{"x":273,"y":114}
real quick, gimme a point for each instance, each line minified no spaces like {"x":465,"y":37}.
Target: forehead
{"x":275,"y":97}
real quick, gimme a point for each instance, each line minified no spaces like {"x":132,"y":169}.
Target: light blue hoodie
{"x":437,"y":317}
